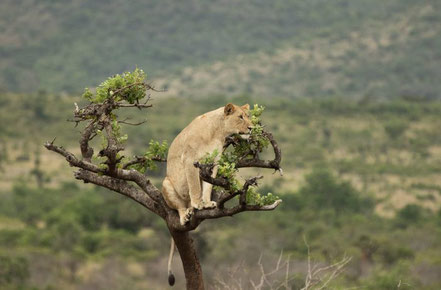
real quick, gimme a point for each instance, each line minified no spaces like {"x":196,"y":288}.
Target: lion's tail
{"x":171,"y":277}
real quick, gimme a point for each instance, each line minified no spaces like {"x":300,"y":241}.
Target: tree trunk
{"x":190,"y":260}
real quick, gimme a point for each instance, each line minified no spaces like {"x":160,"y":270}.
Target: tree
{"x":110,"y":169}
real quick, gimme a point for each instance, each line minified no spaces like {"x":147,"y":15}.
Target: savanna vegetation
{"x":360,"y":178}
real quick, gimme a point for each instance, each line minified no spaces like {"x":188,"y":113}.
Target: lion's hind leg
{"x":174,"y":201}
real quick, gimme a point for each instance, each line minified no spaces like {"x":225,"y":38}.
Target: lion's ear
{"x":246,"y":107}
{"x":229,"y":109}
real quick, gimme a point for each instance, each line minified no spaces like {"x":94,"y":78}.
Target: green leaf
{"x":128,"y":86}
{"x":155,"y":150}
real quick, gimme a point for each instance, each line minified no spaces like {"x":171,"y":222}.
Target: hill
{"x":399,"y":56}
{"x":285,"y":48}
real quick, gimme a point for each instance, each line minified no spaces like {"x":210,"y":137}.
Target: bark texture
{"x":190,"y":260}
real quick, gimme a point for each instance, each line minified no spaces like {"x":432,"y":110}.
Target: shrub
{"x":410,"y":214}
{"x":395,"y":128}
{"x":323,"y":190}
{"x":13,"y":272}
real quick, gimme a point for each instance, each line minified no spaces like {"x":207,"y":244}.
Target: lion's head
{"x":236,"y":119}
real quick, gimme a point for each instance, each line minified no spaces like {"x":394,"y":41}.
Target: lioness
{"x":182,"y":188}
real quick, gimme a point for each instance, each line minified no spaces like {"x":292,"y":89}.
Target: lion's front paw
{"x":198,"y":205}
{"x":210,"y":204}
{"x":185,"y":218}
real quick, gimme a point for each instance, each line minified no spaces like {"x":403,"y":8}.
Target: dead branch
{"x":319,"y":277}
{"x":268,"y":279}
{"x":134,"y":105}
{"x":316,"y":278}
{"x":120,"y":186}
{"x":131,"y":124}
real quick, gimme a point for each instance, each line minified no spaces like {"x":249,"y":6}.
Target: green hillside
{"x":312,"y":48}
{"x":399,"y":56}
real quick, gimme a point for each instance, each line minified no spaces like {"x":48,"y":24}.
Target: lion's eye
{"x":241,"y":116}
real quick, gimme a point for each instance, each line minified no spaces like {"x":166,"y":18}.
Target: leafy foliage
{"x":156,"y":151}
{"x":116,"y":129}
{"x":408,"y":215}
{"x":14,"y":271}
{"x":125,"y":90}
{"x":254,"y":197}
{"x":128,"y":86}
{"x":210,"y":158}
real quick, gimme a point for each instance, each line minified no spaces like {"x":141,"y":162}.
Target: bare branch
{"x":121,"y":187}
{"x":133,"y":105}
{"x":87,"y":135}
{"x":132,"y":124}
{"x":73,"y":161}
{"x":217,"y":212}
{"x":267,"y":280}
{"x":319,"y":277}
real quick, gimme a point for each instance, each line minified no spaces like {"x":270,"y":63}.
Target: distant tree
{"x":323,"y":190}
{"x":395,"y":128}
{"x":410,"y":214}
{"x":40,"y":176}
{"x":110,"y":169}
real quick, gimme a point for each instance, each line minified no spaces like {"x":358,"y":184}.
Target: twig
{"x":133,"y":105}
{"x":314,"y":278}
{"x":142,"y":159}
{"x":132,"y":124}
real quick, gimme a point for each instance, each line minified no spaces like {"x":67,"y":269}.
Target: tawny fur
{"x":182,"y":187}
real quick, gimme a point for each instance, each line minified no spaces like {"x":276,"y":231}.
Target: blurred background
{"x":352,"y":92}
